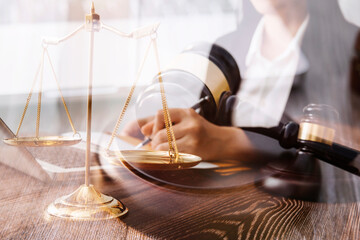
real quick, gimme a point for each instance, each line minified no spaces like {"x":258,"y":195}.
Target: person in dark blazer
{"x":320,"y":76}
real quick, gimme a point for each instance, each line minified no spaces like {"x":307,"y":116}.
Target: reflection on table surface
{"x":215,"y":200}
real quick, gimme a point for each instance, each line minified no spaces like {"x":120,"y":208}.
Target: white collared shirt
{"x":266,"y":84}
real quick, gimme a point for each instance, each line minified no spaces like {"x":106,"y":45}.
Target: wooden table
{"x":225,"y":204}
{"x":231,"y":207}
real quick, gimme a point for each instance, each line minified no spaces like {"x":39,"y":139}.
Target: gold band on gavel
{"x":316,"y":133}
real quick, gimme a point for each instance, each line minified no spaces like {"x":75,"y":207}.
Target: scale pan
{"x":153,"y":160}
{"x":46,"y":141}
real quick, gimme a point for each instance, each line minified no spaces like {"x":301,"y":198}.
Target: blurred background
{"x":24,"y":23}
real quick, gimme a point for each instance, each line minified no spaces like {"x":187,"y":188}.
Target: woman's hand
{"x":196,"y":135}
{"x":133,"y":128}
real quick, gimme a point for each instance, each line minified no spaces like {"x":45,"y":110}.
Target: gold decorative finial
{"x":92,"y":18}
{"x":92,"y":7}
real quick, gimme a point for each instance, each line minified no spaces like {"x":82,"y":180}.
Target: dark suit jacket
{"x":328,"y":46}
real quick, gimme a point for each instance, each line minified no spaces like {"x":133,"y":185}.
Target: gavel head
{"x":318,"y":124}
{"x":202,"y":70}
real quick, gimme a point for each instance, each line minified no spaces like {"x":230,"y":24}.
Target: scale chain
{"x":41,"y":71}
{"x":173,"y":151}
{"x":29,"y":97}
{"x":128,"y":99}
{"x":39,"y":95}
{"x":61,"y":95}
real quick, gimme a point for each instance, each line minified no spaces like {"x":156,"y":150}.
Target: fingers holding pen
{"x":176,"y":116}
{"x":187,"y":128}
{"x":133,"y":128}
{"x":185,"y":144}
{"x":147,"y":128}
{"x":158,"y":123}
{"x":195,"y":135}
{"x":161,"y":136}
{"x":165,"y":146}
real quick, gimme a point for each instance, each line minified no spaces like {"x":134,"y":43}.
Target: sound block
{"x":296,"y":177}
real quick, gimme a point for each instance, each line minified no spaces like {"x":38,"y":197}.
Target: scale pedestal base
{"x":86,"y":203}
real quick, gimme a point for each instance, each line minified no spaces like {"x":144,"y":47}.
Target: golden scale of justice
{"x":86,"y":202}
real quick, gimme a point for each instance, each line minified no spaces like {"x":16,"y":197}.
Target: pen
{"x":195,"y":107}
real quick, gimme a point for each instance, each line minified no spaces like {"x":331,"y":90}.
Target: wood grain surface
{"x":215,"y":203}
{"x":162,"y":211}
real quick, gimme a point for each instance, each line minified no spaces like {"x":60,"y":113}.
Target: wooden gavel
{"x":223,"y":80}
{"x":309,"y":138}
{"x":306,"y":137}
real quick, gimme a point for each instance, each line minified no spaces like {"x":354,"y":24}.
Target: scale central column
{"x":86,"y":203}
{"x":89,"y":112}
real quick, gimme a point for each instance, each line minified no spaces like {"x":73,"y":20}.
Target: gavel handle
{"x":285,"y":133}
{"x":338,"y":155}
